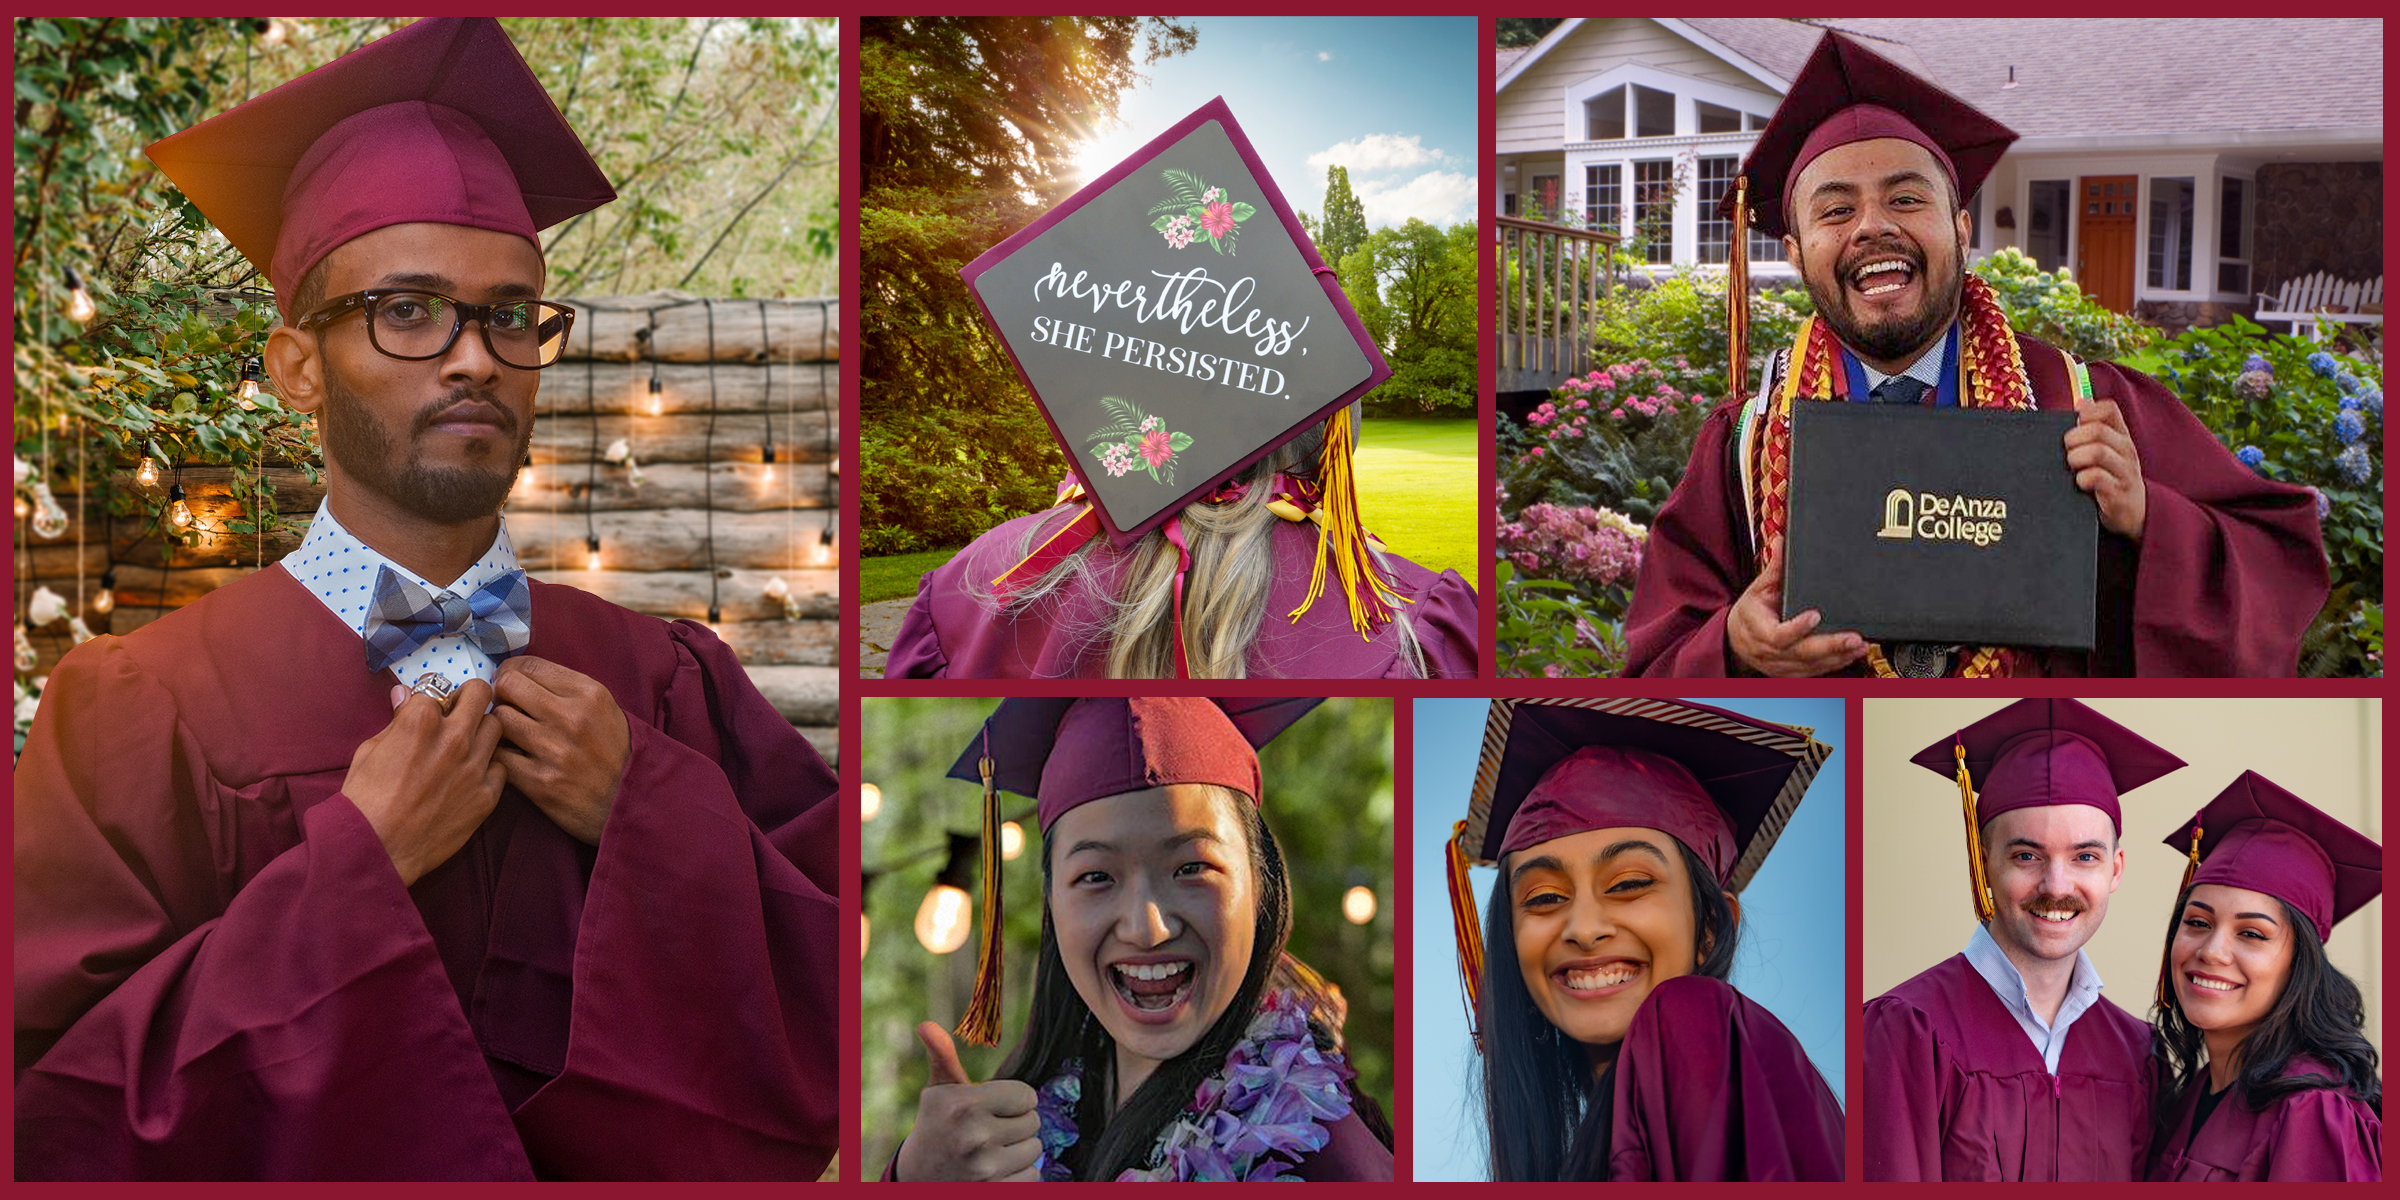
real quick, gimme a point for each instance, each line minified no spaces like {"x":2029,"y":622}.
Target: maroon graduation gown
{"x":220,"y":976}
{"x":1711,"y":1087}
{"x":1955,"y":1090}
{"x":2321,"y":1135}
{"x":1351,"y":1154}
{"x":950,"y":632}
{"x":2229,"y":573}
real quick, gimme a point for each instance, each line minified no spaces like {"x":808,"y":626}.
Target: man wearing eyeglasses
{"x":385,"y":861}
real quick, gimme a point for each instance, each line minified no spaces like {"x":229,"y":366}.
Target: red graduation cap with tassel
{"x":1175,"y":325}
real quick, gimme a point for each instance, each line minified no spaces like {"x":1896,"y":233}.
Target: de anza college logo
{"x":1927,"y":517}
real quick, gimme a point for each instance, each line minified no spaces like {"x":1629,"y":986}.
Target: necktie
{"x":1900,"y":389}
{"x":497,"y":618}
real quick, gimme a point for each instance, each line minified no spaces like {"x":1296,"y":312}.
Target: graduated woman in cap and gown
{"x":2271,"y":1074}
{"x":1171,"y":1037}
{"x":1613,"y":1047}
{"x":2004,"y":1062}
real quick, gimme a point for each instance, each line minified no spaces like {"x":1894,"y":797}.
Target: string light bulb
{"x":824,"y":548}
{"x":178,"y":513}
{"x":1012,"y":840}
{"x":24,"y":506}
{"x":866,"y":929}
{"x":1358,"y":905}
{"x":106,"y":601}
{"x":716,"y":620}
{"x":657,"y":401}
{"x":252,"y":375}
{"x":146,"y":474}
{"x":79,"y":298}
{"x":592,"y":544}
{"x":767,"y":456}
{"x":946,"y":915}
{"x":271,"y":31}
{"x":49,"y":517}
{"x":870,"y":801}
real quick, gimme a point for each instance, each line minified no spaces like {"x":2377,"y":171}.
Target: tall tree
{"x":968,"y":129}
{"x":1414,"y":289}
{"x":1523,"y":31}
{"x":1345,"y":224}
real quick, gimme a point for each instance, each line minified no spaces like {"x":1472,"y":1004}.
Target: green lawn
{"x":894,"y":577}
{"x":1416,"y":491}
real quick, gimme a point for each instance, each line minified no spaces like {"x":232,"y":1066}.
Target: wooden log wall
{"x":707,"y":490}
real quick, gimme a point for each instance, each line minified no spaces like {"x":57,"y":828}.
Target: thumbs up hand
{"x":969,"y":1131}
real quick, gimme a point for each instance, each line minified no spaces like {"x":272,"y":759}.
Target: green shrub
{"x":2051,"y":307}
{"x":1550,"y":628}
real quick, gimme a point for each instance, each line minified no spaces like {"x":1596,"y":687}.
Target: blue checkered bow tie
{"x":497,"y":618}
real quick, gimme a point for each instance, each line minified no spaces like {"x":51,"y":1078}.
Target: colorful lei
{"x":1271,"y":1106}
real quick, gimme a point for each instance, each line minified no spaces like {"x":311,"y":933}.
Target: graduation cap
{"x":1721,"y":783}
{"x":2260,"y":837}
{"x":2036,"y":753}
{"x":1066,"y":751}
{"x":1845,"y":93}
{"x":439,"y":122}
{"x":1175,"y":325}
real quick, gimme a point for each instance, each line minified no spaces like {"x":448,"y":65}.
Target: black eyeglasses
{"x":414,"y":326}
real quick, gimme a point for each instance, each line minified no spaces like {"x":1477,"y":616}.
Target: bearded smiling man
{"x":2204,"y":568}
{"x":2004,"y":1062}
{"x":385,"y":861}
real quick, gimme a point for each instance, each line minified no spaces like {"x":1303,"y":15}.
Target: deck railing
{"x":1550,"y":278}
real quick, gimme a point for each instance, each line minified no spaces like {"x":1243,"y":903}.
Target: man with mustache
{"x":1865,"y":171}
{"x":2004,"y":1062}
{"x":386,"y":861}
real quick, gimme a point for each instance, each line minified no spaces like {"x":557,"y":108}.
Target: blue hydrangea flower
{"x":2373,"y":403}
{"x":2324,"y":502}
{"x":2348,"y":383}
{"x":2353,"y":464}
{"x":2349,"y":427}
{"x":2257,"y":362}
{"x":2254,"y":385}
{"x":2251,"y":456}
{"x":2323,"y":364}
{"x":2349,"y":402}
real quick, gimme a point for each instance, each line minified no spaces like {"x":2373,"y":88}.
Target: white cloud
{"x":1440,"y":197}
{"x":1376,"y":152}
{"x":1324,"y":56}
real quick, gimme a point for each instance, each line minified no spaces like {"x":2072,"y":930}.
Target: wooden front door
{"x":2104,"y":252}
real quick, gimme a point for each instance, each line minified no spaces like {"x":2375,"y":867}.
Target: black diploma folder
{"x":1942,"y":525}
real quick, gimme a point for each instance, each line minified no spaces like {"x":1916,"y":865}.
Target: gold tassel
{"x":1341,"y":542}
{"x":1737,"y":295}
{"x":2191,"y":866}
{"x":1984,"y":908}
{"x":981,"y":1024}
{"x":1468,"y":930}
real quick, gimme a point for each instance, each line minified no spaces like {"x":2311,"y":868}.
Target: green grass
{"x":1416,"y":491}
{"x":894,"y":577}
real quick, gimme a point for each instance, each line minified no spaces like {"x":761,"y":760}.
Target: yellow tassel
{"x":1984,"y":908}
{"x":2191,"y":866}
{"x":1737,"y":295}
{"x":1468,"y":930}
{"x":1341,"y":542}
{"x":981,"y":1024}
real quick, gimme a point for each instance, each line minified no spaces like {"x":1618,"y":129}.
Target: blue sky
{"x":1392,"y":98}
{"x":1792,"y":957}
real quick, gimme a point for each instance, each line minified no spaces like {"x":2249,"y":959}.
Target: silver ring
{"x":437,"y":687}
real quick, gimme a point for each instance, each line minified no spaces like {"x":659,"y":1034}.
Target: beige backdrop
{"x":1916,"y":909}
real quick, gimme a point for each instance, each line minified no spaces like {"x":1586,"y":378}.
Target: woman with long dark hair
{"x":2269,"y":1074}
{"x":1613,"y":1046}
{"x":1171,"y":1037}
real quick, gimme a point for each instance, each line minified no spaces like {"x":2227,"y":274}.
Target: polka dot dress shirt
{"x":339,"y":569}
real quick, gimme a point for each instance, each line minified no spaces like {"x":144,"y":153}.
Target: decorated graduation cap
{"x":1846,"y":93}
{"x":2036,"y":753}
{"x":1066,"y":752}
{"x":2258,"y":836}
{"x":1175,"y":325}
{"x":439,"y":122}
{"x":1721,"y":783}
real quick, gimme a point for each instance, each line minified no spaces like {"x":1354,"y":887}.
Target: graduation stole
{"x":1991,"y":374}
{"x":1330,"y":500}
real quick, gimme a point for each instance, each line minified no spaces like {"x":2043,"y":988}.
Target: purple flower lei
{"x":1269,"y":1108}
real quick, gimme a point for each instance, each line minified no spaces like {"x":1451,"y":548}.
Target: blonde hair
{"x":1224,"y":597}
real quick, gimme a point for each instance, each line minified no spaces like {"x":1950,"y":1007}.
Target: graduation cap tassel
{"x":981,"y":1024}
{"x":1468,"y":930}
{"x":1984,"y":907}
{"x":2191,"y":867}
{"x":1737,"y":294}
{"x":1340,"y":539}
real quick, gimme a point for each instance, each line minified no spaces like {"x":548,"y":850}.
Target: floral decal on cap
{"x":1136,"y":441}
{"x":1194,"y":210}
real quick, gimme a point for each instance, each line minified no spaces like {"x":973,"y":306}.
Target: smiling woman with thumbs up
{"x":1171,"y":1037}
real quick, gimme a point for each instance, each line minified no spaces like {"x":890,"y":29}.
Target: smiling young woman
{"x":1622,"y":831}
{"x":2251,"y":1010}
{"x":1171,"y":1036}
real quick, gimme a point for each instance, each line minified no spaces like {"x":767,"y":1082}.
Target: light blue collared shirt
{"x":1926,"y":370}
{"x":2083,"y":991}
{"x":339,"y":570}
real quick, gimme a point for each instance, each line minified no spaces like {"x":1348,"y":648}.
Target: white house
{"x":2180,"y":166}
